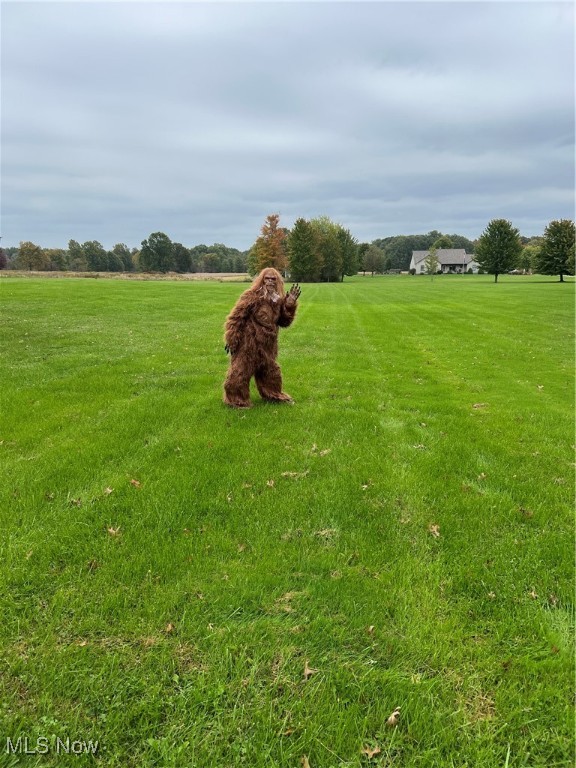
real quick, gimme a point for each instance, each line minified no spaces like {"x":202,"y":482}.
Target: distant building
{"x":450,"y":261}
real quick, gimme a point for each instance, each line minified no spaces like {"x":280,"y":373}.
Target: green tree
{"x":122,"y":251}
{"x":156,"y":254}
{"x":444,"y":241}
{"x":31,"y":256}
{"x":210,"y":262}
{"x":302,"y":252}
{"x":374,"y":260}
{"x":76,"y":257}
{"x":498,"y":248}
{"x":182,"y":259}
{"x":348,"y":251}
{"x":556,"y":255}
{"x":56,"y":259}
{"x":431,"y":261}
{"x":113,"y":262}
{"x":95,"y":256}
{"x":3,"y":259}
{"x":327,"y":248}
{"x":528,"y":259}
{"x":362,"y":249}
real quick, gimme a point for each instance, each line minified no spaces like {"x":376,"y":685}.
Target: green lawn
{"x":194,"y":586}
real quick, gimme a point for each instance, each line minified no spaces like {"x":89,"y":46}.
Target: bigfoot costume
{"x":251,"y":337}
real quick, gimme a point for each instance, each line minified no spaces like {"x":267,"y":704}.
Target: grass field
{"x":193,"y":586}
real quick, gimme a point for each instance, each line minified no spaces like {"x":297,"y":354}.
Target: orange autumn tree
{"x":269,"y":250}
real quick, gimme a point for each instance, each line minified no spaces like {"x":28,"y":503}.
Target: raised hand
{"x":293,"y":294}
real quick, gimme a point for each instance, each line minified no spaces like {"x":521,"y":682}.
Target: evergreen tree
{"x":498,"y":248}
{"x":301,"y":252}
{"x":348,"y":250}
{"x":556,"y":255}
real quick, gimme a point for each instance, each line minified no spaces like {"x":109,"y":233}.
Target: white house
{"x":450,"y":261}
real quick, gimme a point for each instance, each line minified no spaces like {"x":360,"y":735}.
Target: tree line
{"x":314,"y":250}
{"x":157,"y":254}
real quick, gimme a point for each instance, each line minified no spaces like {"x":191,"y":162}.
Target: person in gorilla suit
{"x":251,"y":338}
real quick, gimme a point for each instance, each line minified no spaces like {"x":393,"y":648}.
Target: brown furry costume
{"x":251,"y":337}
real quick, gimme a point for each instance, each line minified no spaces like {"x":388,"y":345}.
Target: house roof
{"x":445,"y":256}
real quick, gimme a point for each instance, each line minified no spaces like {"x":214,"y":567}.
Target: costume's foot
{"x":282,"y":397}
{"x":237,"y":405}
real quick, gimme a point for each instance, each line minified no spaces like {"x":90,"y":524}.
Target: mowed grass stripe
{"x":254,"y":543}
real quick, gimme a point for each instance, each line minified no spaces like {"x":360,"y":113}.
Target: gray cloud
{"x":199,"y":119}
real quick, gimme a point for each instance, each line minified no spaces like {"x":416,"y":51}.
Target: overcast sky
{"x":200,"y":119}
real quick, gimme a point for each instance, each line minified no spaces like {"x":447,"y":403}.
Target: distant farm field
{"x":186,"y":585}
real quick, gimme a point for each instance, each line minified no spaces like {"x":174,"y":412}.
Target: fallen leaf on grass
{"x":108,"y":491}
{"x":114,"y":531}
{"x":29,"y":554}
{"x":135,"y":483}
{"x":392,"y":721}
{"x":482,"y":476}
{"x":327,"y":534}
{"x":533,"y":594}
{"x":169,"y":628}
{"x":434,"y":530}
{"x":480,"y":405}
{"x":304,"y":762}
{"x":308,"y":671}
{"x":370,"y":752}
{"x":370,"y":629}
{"x":295,"y":475}
{"x":270,"y":483}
